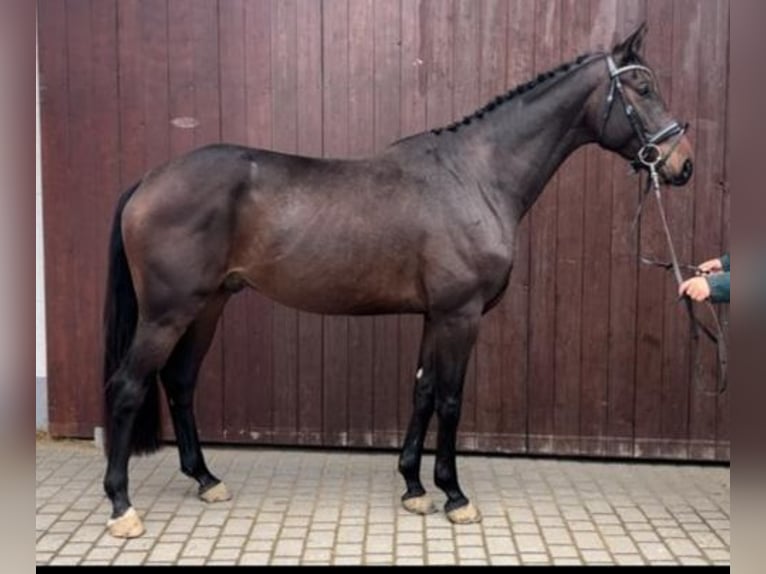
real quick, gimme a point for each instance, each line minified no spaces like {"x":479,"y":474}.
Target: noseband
{"x":649,"y":155}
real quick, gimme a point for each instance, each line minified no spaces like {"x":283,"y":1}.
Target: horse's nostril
{"x":688,"y":169}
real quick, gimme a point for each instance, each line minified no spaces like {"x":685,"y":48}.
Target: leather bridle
{"x":649,"y":153}
{"x":650,"y":157}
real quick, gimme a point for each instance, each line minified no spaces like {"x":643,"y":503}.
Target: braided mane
{"x":517,"y":91}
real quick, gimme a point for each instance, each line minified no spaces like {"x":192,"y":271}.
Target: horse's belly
{"x":316,"y":286}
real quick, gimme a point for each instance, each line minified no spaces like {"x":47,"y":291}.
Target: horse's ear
{"x":630,"y":49}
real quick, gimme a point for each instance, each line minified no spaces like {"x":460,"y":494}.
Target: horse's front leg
{"x":454,"y":341}
{"x":416,"y":500}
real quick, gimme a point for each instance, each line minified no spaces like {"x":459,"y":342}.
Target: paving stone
{"x":74,"y":549}
{"x":130,"y":558}
{"x":378,"y":559}
{"x":165,"y":552}
{"x":629,"y":559}
{"x":528,"y":543}
{"x":225,"y":554}
{"x":471,"y":552}
{"x":409,"y":550}
{"x":51,"y":542}
{"x":255,"y":559}
{"x":557,"y":536}
{"x":588,"y":541}
{"x":654,"y":551}
{"x":288,"y":547}
{"x":535,"y":558}
{"x":198,"y":547}
{"x":565,"y":551}
{"x":317,"y":555}
{"x":683,"y":547}
{"x":567,"y":562}
{"x":596,"y":557}
{"x":342,"y":549}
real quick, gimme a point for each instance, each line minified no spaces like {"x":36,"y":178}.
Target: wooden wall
{"x":588,"y":354}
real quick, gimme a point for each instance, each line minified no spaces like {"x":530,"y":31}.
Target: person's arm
{"x":719,"y":285}
{"x":726,"y":262}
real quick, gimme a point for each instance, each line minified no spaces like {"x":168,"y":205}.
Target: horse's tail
{"x":120,"y":320}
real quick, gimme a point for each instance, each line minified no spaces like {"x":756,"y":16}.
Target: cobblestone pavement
{"x":322,"y":507}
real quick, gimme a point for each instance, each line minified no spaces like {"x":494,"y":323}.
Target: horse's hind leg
{"x":125,"y":395}
{"x":179,"y":377}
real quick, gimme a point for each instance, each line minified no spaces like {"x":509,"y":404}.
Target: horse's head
{"x":630,"y":117}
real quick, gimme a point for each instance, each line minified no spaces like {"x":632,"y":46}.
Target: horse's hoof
{"x":419,"y":505}
{"x":467,"y":514}
{"x":217,"y":493}
{"x":128,"y":525}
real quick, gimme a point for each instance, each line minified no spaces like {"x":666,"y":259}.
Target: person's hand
{"x":697,"y":288}
{"x":712,"y":266}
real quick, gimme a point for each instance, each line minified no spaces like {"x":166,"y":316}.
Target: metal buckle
{"x":650,"y":155}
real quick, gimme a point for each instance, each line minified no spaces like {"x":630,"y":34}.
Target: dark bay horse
{"x":427,"y":227}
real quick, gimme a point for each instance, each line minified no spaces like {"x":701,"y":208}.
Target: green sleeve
{"x":719,"y":287}
{"x":726,"y":262}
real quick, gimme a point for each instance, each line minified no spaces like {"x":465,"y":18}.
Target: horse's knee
{"x":424,"y":394}
{"x":448,"y":410}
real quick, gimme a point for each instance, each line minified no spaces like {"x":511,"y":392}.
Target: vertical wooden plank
{"x":258,"y":378}
{"x":437,"y":31}
{"x":104,"y":110}
{"x":198,"y":42}
{"x":596,"y":267}
{"x":386,"y":114}
{"x":542,"y":288}
{"x":53,"y":29}
{"x":284,"y":60}
{"x":651,"y":281}
{"x":181,"y":75}
{"x":515,"y":307}
{"x":710,"y":138}
{"x":81,"y":164}
{"x":154,"y":18}
{"x":466,"y":66}
{"x":467,"y":61}
{"x":361,"y":116}
{"x":335,"y":329}
{"x":131,"y":68}
{"x":723,"y":448}
{"x":624,"y":277}
{"x":154,"y":97}
{"x":489,"y":352}
{"x":234,"y":107}
{"x":309,"y":32}
{"x":569,"y":259}
{"x":412,"y":72}
{"x":680,"y":208}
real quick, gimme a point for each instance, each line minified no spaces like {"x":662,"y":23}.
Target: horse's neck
{"x":532,"y":138}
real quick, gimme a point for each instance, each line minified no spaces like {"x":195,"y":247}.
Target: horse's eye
{"x":644,"y":90}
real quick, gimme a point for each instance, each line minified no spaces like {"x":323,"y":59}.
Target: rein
{"x":717,"y":335}
{"x":650,"y":157}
